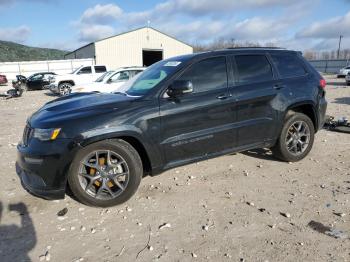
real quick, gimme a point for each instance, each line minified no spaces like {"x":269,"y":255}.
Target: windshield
{"x":75,"y":70}
{"x":148,"y":79}
{"x":102,"y":77}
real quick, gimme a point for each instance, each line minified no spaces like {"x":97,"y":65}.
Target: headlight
{"x":46,"y":134}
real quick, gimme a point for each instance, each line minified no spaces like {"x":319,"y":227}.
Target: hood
{"x":88,"y":85}
{"x":77,"y":106}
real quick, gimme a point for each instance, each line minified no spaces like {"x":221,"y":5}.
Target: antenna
{"x":148,"y":23}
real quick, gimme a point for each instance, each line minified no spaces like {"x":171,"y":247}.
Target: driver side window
{"x":85,"y":70}
{"x":206,"y":75}
{"x":37,"y":77}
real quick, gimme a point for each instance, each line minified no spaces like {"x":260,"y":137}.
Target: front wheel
{"x":106,"y":173}
{"x":296,"y":138}
{"x":65,"y":89}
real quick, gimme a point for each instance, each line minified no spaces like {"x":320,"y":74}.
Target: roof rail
{"x":256,"y":47}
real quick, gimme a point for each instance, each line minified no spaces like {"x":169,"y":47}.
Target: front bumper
{"x":43,"y":167}
{"x":35,"y":186}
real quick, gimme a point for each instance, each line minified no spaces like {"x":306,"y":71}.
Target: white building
{"x":140,"y":47}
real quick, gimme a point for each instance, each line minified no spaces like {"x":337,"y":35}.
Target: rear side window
{"x":208,"y":74}
{"x":253,"y":68}
{"x":85,"y":70}
{"x":100,"y":69}
{"x":288,"y":65}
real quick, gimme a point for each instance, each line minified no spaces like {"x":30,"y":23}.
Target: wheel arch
{"x":133,"y":139}
{"x":308,"y":108}
{"x":66,"y":81}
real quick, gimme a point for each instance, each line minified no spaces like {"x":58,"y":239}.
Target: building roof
{"x":92,"y":43}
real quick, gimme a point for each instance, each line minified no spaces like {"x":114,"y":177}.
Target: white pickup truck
{"x":62,"y":84}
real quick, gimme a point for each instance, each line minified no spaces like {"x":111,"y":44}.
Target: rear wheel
{"x":296,"y":139}
{"x":106,"y":173}
{"x":65,"y":89}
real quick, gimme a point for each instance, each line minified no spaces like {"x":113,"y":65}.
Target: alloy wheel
{"x":103,"y":174}
{"x":65,"y":89}
{"x":298,"y":138}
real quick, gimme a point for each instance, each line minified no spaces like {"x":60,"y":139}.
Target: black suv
{"x":180,"y":110}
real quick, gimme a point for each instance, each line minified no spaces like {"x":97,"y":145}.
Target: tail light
{"x":323,"y":83}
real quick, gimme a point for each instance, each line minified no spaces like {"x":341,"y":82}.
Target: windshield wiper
{"x":120,"y":93}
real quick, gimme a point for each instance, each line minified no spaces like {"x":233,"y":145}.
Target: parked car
{"x":3,"y":80}
{"x":109,"y":81}
{"x":344,"y":71}
{"x":38,"y":81}
{"x":62,"y":84}
{"x":178,"y":111}
{"x":347,"y":79}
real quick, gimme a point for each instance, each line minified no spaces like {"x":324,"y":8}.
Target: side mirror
{"x":180,"y":87}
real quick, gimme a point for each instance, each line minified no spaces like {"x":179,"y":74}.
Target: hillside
{"x":13,"y":52}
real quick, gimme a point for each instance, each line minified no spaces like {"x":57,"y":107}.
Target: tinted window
{"x":85,"y":70}
{"x":288,"y":65}
{"x":36,"y":77}
{"x":253,"y":68}
{"x":100,"y":69}
{"x":208,"y":74}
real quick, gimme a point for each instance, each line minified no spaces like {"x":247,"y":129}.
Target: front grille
{"x":28,"y":131}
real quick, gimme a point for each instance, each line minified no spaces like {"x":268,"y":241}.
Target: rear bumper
{"x":322,"y":108}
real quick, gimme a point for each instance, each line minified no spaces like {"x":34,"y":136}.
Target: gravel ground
{"x":243,"y":207}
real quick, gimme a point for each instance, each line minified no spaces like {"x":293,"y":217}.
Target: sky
{"x":68,"y":24}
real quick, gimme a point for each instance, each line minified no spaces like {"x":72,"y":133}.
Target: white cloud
{"x":194,"y":21}
{"x":101,"y":14}
{"x":210,"y":6}
{"x":95,"y":32}
{"x":331,"y":28}
{"x":15,"y":34}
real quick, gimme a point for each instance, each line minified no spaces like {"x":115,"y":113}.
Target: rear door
{"x":293,"y":75}
{"x":197,"y":124}
{"x":257,"y":95}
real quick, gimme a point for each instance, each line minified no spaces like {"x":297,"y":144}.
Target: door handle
{"x":223,"y":96}
{"x":278,"y":86}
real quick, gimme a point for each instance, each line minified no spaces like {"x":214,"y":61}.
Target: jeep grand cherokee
{"x":179,"y":111}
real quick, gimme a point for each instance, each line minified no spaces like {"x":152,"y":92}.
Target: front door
{"x":199,"y":123}
{"x":34,"y":82}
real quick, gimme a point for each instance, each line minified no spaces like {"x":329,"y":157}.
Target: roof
{"x":127,"y":33}
{"x":78,"y":49}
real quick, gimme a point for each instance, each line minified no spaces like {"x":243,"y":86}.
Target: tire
{"x":126,"y":153}
{"x":282,"y":151}
{"x":65,"y":88}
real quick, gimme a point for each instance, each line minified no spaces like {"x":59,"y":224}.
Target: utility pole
{"x":340,"y":37}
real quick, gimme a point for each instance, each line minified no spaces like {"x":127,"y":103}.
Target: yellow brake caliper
{"x":102,"y":162}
